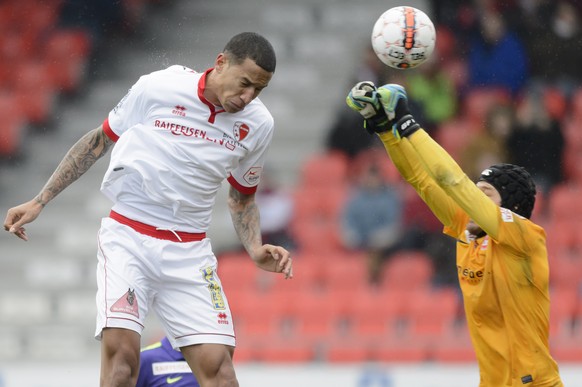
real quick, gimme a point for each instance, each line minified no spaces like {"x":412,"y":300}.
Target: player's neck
{"x":208,"y":92}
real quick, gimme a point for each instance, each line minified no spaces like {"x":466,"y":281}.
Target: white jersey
{"x":174,"y":149}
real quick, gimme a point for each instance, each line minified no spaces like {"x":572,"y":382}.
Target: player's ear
{"x":220,"y":62}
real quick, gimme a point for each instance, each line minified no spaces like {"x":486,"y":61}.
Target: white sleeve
{"x":246,"y":177}
{"x":131,"y":110}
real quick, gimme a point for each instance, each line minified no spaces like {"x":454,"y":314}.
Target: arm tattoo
{"x":245,"y":218}
{"x":90,"y":148}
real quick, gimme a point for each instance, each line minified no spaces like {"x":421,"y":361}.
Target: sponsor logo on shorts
{"x":214,"y":288}
{"x":127,"y":304}
{"x":223,"y":318}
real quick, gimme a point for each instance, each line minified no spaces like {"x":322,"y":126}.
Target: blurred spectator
{"x":434,"y":92}
{"x":489,"y":146}
{"x":341,"y":135}
{"x":497,"y":56}
{"x":372,"y":218}
{"x":276,"y":210}
{"x":100,"y":18}
{"x":423,"y":231}
{"x":555,"y":48}
{"x":537,"y":142}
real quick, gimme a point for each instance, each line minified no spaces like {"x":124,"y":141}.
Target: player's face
{"x":492,"y":194}
{"x":238,"y":84}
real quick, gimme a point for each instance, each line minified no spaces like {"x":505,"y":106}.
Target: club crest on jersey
{"x":179,"y":110}
{"x":240,"y":130}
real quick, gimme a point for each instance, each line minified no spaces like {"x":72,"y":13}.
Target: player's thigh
{"x":191,"y":303}
{"x":120,"y":347}
{"x":211,"y":362}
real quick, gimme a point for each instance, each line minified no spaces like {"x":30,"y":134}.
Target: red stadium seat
{"x":324,"y":170}
{"x":562,"y":310}
{"x":400,"y":348}
{"x":432,"y":314}
{"x":345,"y":272}
{"x":480,"y":100}
{"x":238,"y":273}
{"x":455,"y":135}
{"x":407,"y":270}
{"x":345,"y":350}
{"x":374,"y":313}
{"x":455,"y":347}
{"x":13,"y":126}
{"x":66,"y":54}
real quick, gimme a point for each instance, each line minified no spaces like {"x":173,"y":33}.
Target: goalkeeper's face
{"x":492,"y":194}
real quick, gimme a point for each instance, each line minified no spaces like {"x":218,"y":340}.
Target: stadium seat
{"x":256,"y":315}
{"x":432,"y":314}
{"x":313,"y":317}
{"x":374,"y":313}
{"x":567,"y":349}
{"x":13,"y":126}
{"x":454,"y":347}
{"x":67,"y":53}
{"x":400,"y":348}
{"x":455,"y":135}
{"x":317,"y":237}
{"x":555,"y":102}
{"x":563,"y":303}
{"x":478,"y":101}
{"x":324,"y":170}
{"x":346,"y":350}
{"x":407,"y":270}
{"x":35,"y":93}
{"x":566,"y":268}
{"x":350,"y":272}
{"x":287,"y":350}
{"x":238,"y":272}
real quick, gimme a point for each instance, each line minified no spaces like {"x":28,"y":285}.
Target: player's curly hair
{"x":515,"y":185}
{"x":253,"y":46}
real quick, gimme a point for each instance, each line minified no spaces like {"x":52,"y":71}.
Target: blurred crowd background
{"x":375,"y":277}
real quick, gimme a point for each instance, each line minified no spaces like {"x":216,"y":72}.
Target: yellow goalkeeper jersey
{"x":503,"y":275}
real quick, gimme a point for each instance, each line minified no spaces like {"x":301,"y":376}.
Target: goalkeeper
{"x":501,"y":254}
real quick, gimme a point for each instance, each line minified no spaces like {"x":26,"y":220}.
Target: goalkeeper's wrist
{"x":406,"y":125}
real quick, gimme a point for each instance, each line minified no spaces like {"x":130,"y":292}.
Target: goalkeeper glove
{"x":364,"y":99}
{"x":395,"y":103}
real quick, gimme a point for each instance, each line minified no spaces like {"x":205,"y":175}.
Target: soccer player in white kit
{"x":178,"y":135}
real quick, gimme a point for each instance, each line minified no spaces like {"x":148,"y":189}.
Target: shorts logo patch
{"x":223,"y":318}
{"x":214,"y":288}
{"x":127,"y":304}
{"x":526,"y":379}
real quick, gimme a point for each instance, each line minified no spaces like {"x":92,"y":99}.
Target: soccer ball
{"x":403,"y":37}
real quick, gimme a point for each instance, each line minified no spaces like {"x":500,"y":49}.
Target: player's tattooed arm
{"x":90,"y":148}
{"x":245,"y":218}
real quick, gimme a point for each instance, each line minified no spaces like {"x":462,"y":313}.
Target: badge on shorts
{"x":127,"y":304}
{"x":214,"y":287}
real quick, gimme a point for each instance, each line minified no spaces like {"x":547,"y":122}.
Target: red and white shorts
{"x":176,"y":279}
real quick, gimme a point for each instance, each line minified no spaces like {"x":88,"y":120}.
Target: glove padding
{"x":395,"y":103}
{"x":364,"y":99}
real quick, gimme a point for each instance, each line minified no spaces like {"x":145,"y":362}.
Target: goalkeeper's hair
{"x":253,"y":46}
